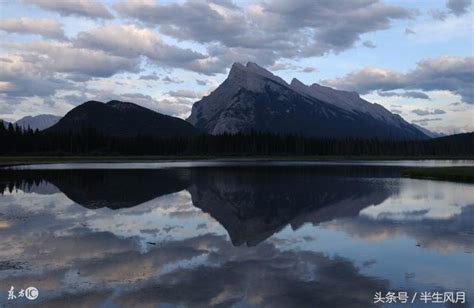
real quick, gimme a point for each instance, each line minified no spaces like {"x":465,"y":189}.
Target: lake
{"x":233,"y":233}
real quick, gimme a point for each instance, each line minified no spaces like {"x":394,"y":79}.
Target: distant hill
{"x":458,"y":138}
{"x":4,"y":123}
{"x":454,"y":144}
{"x":39,"y":122}
{"x":427,"y":132}
{"x":121,"y":119}
{"x":253,"y":99}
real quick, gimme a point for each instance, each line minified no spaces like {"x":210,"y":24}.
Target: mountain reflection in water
{"x":250,"y":203}
{"x":300,"y":236}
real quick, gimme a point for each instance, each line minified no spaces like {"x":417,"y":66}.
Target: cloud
{"x":42,"y":68}
{"x":424,"y":122}
{"x":20,"y":78}
{"x":75,"y":99}
{"x":396,"y":111}
{"x":309,"y":69}
{"x":24,"y":25}
{"x":149,"y":77}
{"x":65,"y":58}
{"x":421,"y":229}
{"x":131,"y":42}
{"x":458,"y":7}
{"x":368,"y":79}
{"x":409,"y":31}
{"x":183,"y":93}
{"x":176,"y":106}
{"x":85,"y":8}
{"x":369,"y":44}
{"x":168,"y":79}
{"x":451,"y":73}
{"x":425,"y":112}
{"x":455,"y":7}
{"x":410,"y":94}
{"x":438,"y":14}
{"x":268,"y":31}
{"x":282,"y":66}
{"x":201,"y":82}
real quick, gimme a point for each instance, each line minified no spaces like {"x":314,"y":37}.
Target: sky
{"x":416,"y":58}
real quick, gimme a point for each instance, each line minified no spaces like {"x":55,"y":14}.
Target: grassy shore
{"x":22,"y":160}
{"x":455,"y":174}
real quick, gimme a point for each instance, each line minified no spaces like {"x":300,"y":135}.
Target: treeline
{"x":18,"y":141}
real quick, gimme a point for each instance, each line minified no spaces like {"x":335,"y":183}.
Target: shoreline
{"x":452,"y":174}
{"x":6,"y":161}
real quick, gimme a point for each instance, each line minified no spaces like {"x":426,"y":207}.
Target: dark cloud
{"x":455,"y":7}
{"x":425,"y":112}
{"x":438,"y":14}
{"x":424,"y":122}
{"x":183,"y":93}
{"x":88,"y":8}
{"x":458,"y":7}
{"x":309,"y":69}
{"x":75,"y":99}
{"x":409,"y":31}
{"x":66,"y":58}
{"x":20,"y":78}
{"x":150,"y":77}
{"x":410,"y":94}
{"x":44,"y":27}
{"x":201,"y":82}
{"x":396,"y":111}
{"x":449,"y":73}
{"x":132,"y":42}
{"x":29,"y":86}
{"x":267,"y":31}
{"x":168,"y":79}
{"x":336,"y":25}
{"x":369,"y":44}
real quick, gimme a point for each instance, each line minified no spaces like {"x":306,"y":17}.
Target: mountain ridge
{"x":121,"y":119}
{"x":254,"y":99}
{"x":40,"y":122}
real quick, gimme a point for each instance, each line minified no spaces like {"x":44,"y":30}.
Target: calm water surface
{"x":243,"y":234}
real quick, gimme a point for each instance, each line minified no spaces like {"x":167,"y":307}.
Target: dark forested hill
{"x":121,"y":119}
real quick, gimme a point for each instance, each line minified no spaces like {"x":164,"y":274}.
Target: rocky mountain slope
{"x":253,"y":99}
{"x":39,"y":122}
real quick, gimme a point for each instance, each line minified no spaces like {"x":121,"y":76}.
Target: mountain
{"x":252,"y":98}
{"x":39,"y":122}
{"x":251,"y":202}
{"x":121,"y":119}
{"x":427,"y":132}
{"x":4,"y":123}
